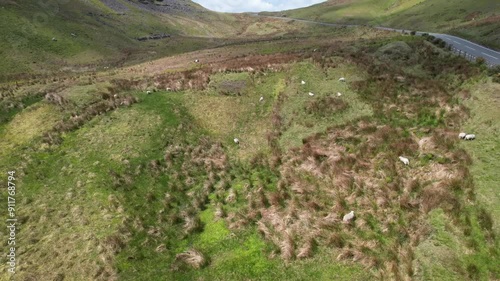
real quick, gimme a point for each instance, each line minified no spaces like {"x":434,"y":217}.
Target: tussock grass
{"x":76,"y":182}
{"x":157,"y":189}
{"x":26,"y":126}
{"x":355,"y":166}
{"x":192,"y":258}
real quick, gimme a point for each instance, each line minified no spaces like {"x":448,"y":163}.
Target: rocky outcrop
{"x":168,"y":6}
{"x":153,"y":37}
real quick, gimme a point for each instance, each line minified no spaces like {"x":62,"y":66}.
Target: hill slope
{"x":114,"y":183}
{"x":475,"y":20}
{"x":133,"y":173}
{"x":90,"y":32}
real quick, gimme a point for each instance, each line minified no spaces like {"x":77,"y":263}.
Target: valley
{"x":126,"y":167}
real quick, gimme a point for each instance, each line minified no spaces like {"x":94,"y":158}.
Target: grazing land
{"x":131,"y":172}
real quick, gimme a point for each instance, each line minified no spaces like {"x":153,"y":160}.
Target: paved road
{"x":471,"y":49}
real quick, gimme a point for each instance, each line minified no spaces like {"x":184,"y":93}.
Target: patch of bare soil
{"x":472,"y":16}
{"x":232,"y":87}
{"x":488,"y":20}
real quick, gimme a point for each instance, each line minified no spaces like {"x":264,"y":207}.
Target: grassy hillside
{"x":104,"y":33}
{"x":474,"y":20}
{"x":117,"y":184}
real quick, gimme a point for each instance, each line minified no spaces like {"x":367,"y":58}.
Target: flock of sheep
{"x":462,"y":136}
{"x":350,"y":216}
{"x":311,"y":94}
{"x":465,"y":136}
{"x":261,"y":99}
{"x":405,"y":160}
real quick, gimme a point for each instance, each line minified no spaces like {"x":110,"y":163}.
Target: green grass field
{"x":104,"y":36}
{"x":484,"y":152}
{"x":114,"y":183}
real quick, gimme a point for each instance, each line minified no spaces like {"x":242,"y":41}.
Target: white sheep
{"x":470,"y":137}
{"x":405,"y":160}
{"x":342,"y":79}
{"x":261,"y":99}
{"x":236,"y":141}
{"x":148,"y":92}
{"x":338,"y":94}
{"x":303,"y":82}
{"x":115,"y":96}
{"x":54,"y":39}
{"x":348,"y":217}
{"x":311,"y":94}
{"x":462,"y":135}
{"x":168,"y":89}
{"x":196,"y":60}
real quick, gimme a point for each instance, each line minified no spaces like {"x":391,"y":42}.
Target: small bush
{"x":438,"y":42}
{"x":485,"y":220}
{"x":494,"y":71}
{"x":427,"y":118}
{"x":473,"y":271}
{"x":413,"y":33}
{"x":480,"y":61}
{"x":114,"y":243}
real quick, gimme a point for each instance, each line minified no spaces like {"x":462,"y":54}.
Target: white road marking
{"x":439,"y":35}
{"x":469,"y":42}
{"x":488,"y":55}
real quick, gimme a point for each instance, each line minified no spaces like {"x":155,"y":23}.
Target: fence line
{"x":466,"y":55}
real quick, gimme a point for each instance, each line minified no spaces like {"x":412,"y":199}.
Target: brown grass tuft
{"x":191,"y":224}
{"x":307,"y":249}
{"x":287,"y":247}
{"x":192,"y":258}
